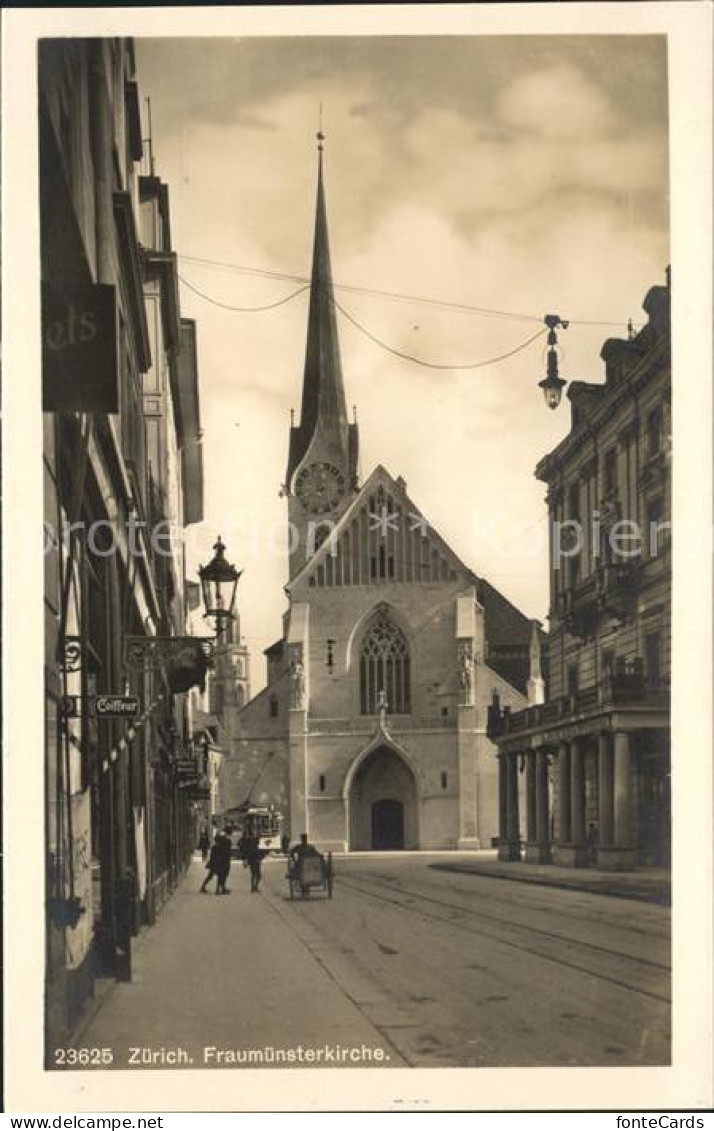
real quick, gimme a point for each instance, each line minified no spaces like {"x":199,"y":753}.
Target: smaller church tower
{"x":321,"y":476}
{"x":229,"y":687}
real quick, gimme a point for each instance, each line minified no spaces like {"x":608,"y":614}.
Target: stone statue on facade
{"x":297,"y":673}
{"x":466,"y":673}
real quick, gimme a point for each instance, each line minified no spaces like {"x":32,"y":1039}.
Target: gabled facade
{"x":596,"y":753}
{"x":371,"y":732}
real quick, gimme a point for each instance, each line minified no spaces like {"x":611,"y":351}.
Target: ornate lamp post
{"x":553,"y":384}
{"x":219,"y":581}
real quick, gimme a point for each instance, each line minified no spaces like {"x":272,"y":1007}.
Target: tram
{"x":262,"y":821}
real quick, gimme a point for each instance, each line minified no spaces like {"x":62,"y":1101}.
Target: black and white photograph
{"x":354,"y":434}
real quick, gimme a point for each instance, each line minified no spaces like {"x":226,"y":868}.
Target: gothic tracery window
{"x":384,"y":666}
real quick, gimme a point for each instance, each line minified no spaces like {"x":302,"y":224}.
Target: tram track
{"x":575,"y":914}
{"x":397,"y":896}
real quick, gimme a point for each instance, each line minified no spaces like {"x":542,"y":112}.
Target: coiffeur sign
{"x":79,"y":349}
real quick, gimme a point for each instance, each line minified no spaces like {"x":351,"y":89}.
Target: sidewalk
{"x":649,"y":885}
{"x":220,"y":976}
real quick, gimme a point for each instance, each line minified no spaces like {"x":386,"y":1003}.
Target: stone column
{"x":531,"y":797}
{"x":502,"y":806}
{"x":605,"y":794}
{"x":571,"y":850}
{"x":542,"y":807}
{"x":565,"y":828}
{"x":622,"y":854}
{"x":512,"y":849}
{"x":577,"y":801}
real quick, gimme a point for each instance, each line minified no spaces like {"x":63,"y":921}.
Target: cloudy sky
{"x":526,"y":175}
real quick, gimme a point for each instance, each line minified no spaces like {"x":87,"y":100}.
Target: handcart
{"x":311,"y":872}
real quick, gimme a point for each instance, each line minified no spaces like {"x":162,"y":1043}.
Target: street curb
{"x":660,"y":898}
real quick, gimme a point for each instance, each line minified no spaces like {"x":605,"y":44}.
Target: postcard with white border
{"x":357,"y":445}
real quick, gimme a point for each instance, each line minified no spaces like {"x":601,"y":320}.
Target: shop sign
{"x":79,"y":349}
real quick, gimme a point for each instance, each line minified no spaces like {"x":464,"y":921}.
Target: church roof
{"x":323,"y":393}
{"x":508,"y":631}
{"x":381,"y":477}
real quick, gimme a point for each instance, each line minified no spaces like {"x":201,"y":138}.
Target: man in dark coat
{"x":254,"y":856}
{"x":219,"y":863}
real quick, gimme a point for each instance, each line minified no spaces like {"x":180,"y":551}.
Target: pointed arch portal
{"x":382,"y":802}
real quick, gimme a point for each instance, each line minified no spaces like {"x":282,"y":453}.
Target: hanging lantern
{"x":553,"y":384}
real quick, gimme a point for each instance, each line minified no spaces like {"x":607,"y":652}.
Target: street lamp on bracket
{"x":185,"y":659}
{"x":219,"y":582}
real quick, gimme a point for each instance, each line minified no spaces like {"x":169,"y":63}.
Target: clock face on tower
{"x":319,"y":487}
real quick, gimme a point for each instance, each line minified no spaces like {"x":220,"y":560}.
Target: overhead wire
{"x":243,"y":309}
{"x":433,"y":364}
{"x":373,"y":337}
{"x":394,"y":295}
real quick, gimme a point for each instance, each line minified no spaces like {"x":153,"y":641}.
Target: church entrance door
{"x":387,"y":824}
{"x":383,"y":803}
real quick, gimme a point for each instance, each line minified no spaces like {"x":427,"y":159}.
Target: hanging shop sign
{"x":116,"y":706}
{"x":185,"y":659}
{"x":79,"y":349}
{"x":101,"y":706}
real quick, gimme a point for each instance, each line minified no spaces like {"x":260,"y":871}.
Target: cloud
{"x":558,"y":102}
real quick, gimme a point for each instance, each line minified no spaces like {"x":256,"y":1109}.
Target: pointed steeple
{"x":324,"y":405}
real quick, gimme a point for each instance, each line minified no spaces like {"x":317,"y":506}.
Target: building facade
{"x":122,"y":475}
{"x":371,"y":732}
{"x":595,"y":755}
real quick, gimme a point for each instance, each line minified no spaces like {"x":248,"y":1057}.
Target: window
{"x":610,"y":470}
{"x":654,"y":432}
{"x":322,"y":783}
{"x":384,"y":667}
{"x":608,"y":662}
{"x":273,"y":707}
{"x":653,"y":659}
{"x":574,"y":502}
{"x":657,"y":528}
{"x":573,"y":679}
{"x":444,"y":779}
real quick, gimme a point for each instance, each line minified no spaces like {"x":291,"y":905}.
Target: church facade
{"x":371,"y":732}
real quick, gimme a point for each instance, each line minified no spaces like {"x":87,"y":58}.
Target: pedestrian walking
{"x":204,"y":844}
{"x":254,"y":856}
{"x":219,"y":864}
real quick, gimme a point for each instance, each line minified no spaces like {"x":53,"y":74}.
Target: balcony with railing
{"x":624,"y":686}
{"x":616,"y":586}
{"x":578,"y":606}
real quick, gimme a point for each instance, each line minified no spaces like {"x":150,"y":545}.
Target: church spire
{"x":324,"y":405}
